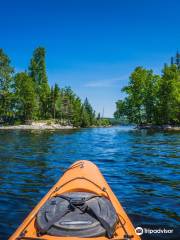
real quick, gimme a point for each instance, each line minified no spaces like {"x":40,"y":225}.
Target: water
{"x":141,"y":167}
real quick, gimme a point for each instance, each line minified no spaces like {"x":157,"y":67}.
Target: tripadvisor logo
{"x":140,"y":231}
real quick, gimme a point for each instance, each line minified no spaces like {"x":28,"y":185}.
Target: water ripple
{"x":141,"y":167}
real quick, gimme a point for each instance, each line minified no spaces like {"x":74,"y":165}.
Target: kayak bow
{"x":81,"y":205}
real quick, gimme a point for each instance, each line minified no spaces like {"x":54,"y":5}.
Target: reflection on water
{"x":141,"y":167}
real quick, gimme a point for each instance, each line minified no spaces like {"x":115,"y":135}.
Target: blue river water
{"x":141,"y":167}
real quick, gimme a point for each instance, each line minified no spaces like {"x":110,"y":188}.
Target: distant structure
{"x":176,"y":59}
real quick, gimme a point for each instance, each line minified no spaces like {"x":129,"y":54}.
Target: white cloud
{"x":122,"y":80}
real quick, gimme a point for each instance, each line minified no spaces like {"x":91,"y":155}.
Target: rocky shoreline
{"x":37,"y":126}
{"x":158,"y":127}
{"x":43,"y":125}
{"x":56,"y":126}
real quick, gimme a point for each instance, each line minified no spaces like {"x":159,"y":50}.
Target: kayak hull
{"x":82,"y":176}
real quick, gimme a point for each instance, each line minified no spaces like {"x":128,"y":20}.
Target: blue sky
{"x":92,"y":46}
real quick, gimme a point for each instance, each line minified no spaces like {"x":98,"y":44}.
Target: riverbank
{"x":45,"y":125}
{"x":158,"y":127}
{"x":37,"y":126}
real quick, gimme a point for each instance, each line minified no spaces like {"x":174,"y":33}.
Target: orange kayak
{"x":81,"y":205}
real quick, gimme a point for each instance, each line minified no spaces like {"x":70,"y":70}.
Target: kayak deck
{"x":82,"y":176}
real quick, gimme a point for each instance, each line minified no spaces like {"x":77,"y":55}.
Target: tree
{"x":55,"y":101}
{"x":85,"y":119}
{"x":6,"y":86}
{"x":120,"y":109}
{"x":37,"y":71}
{"x":67,"y":97}
{"x":98,"y":116}
{"x":25,"y":96}
{"x":90,"y":111}
{"x":135,"y":92}
{"x":150,"y":98}
{"x":76,"y":116}
{"x":169,"y":95}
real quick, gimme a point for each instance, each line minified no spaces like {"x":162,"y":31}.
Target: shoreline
{"x":37,"y":126}
{"x":158,"y":127}
{"x":44,"y":126}
{"x":54,"y":126}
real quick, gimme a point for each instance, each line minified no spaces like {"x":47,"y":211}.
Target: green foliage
{"x":103,"y":122}
{"x":121,"y":109}
{"x":151,"y":99}
{"x":6,"y":87}
{"x":71,"y":109}
{"x":76,"y":116}
{"x":117,"y":121}
{"x":89,"y":112}
{"x":169,"y":95}
{"x":37,"y":71}
{"x":85,"y":119}
{"x":25,"y":97}
{"x":55,"y":101}
{"x":67,"y":100}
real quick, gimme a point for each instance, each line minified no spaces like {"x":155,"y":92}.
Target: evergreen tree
{"x":90,"y":111}
{"x":67,"y":97}
{"x":98,"y":116}
{"x":37,"y":71}
{"x":85,"y":118}
{"x":6,"y":87}
{"x":55,"y":101}
{"x":76,"y":116}
{"x":25,"y":97}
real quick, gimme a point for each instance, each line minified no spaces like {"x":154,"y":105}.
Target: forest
{"x":151,"y":98}
{"x":27,"y":96}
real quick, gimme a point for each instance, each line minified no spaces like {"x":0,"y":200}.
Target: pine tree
{"x":27,"y":96}
{"x":67,"y":97}
{"x":85,"y":118}
{"x":37,"y":71}
{"x":90,"y":111}
{"x":76,"y":116}
{"x":55,"y":101}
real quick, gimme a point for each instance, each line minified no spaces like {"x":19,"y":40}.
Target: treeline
{"x":27,"y":96}
{"x":151,"y":98}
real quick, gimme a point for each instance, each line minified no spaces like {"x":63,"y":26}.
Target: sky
{"x":91,"y":45}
